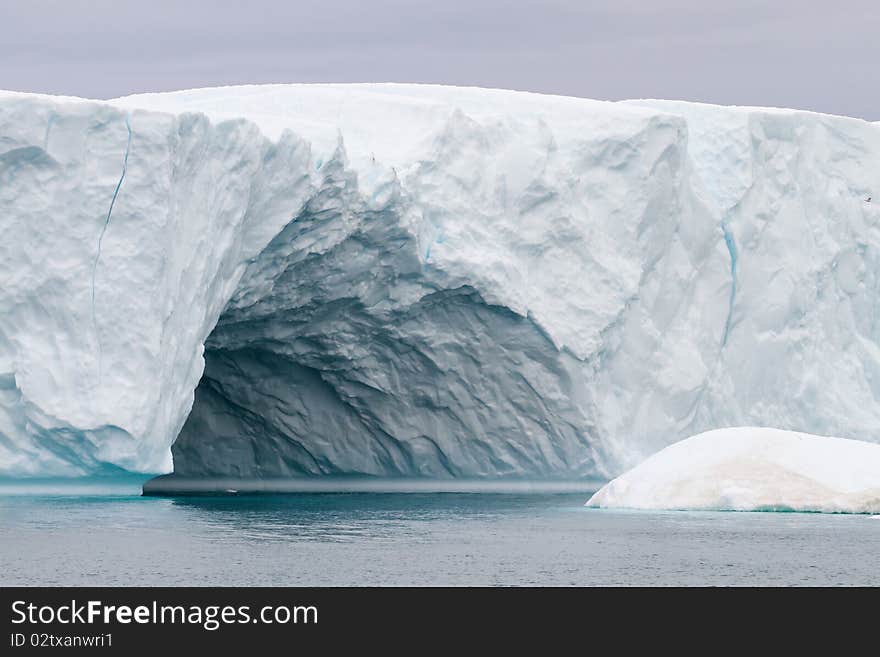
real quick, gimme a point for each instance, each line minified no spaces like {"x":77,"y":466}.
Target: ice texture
{"x":752,"y":469}
{"x":409,"y":280}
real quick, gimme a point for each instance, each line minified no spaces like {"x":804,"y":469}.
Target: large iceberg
{"x":752,"y":469}
{"x":407,"y":280}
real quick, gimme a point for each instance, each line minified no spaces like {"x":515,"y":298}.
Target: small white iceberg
{"x":752,"y":469}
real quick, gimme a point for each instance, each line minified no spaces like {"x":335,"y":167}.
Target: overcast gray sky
{"x":808,"y":54}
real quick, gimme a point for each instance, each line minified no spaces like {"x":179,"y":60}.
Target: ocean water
{"x":117,"y":537}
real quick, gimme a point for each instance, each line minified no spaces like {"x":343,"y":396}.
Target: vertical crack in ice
{"x":731,"y":249}
{"x":101,"y":238}
{"x":48,"y":130}
{"x":694,"y":412}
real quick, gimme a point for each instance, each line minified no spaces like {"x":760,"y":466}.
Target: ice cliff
{"x":425,"y":281}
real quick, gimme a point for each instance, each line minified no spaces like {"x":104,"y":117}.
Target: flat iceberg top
{"x":752,"y":469}
{"x":395,"y":124}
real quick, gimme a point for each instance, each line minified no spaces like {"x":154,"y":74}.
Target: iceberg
{"x":752,"y":469}
{"x":421,"y":281}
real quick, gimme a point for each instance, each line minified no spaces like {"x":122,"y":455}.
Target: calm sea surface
{"x":119,"y":538}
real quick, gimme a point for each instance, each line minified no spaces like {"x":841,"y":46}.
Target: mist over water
{"x":120,"y":538}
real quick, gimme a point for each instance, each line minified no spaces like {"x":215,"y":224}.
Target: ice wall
{"x":426,"y":281}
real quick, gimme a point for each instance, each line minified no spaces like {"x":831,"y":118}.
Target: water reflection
{"x":351,"y":516}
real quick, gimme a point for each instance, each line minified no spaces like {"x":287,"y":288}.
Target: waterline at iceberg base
{"x":174,"y":485}
{"x":421,"y":282}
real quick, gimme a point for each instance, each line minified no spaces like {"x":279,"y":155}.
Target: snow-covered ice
{"x":410,"y":280}
{"x":752,"y":469}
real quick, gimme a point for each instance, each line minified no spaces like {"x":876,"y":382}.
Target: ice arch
{"x":413,"y":280}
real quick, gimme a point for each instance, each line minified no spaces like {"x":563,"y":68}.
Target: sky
{"x":808,"y":54}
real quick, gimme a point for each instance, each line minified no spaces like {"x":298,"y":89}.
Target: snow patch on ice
{"x":752,"y":469}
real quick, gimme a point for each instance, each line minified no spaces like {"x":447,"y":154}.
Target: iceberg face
{"x":752,"y":469}
{"x":425,"y":281}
